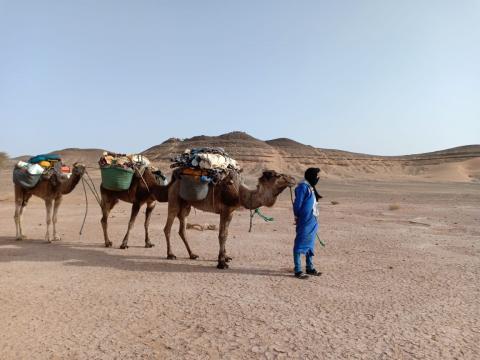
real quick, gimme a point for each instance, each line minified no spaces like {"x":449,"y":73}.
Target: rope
{"x":320,"y":240}
{"x":141,"y":176}
{"x":86,"y":207}
{"x":257,"y":212}
{"x":251,"y":214}
{"x":265,"y":218}
{"x":92,"y":188}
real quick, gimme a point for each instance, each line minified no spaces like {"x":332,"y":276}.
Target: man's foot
{"x":313,"y":272}
{"x":301,"y":275}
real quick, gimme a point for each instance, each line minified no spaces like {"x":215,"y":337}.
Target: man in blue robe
{"x":306,"y":212}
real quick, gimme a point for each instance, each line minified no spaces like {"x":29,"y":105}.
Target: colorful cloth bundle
{"x":123,"y":160}
{"x":28,"y":174}
{"x":211,"y":163}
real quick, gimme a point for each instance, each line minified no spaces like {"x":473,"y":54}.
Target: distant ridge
{"x":460,"y":163}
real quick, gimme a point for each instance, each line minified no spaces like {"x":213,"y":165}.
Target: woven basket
{"x":116,"y":178}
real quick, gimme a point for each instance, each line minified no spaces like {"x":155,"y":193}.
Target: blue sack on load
{"x":44,"y":157}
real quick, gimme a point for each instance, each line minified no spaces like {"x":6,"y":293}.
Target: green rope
{"x":265,"y":218}
{"x":257,"y":211}
{"x":320,"y":240}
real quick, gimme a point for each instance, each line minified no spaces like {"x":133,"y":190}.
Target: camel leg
{"x":148,"y":215}
{"x":56,"y":205}
{"x":172,"y":212}
{"x":48,"y":205}
{"x":26,"y":197}
{"x":133,"y":216}
{"x":18,"y":220}
{"x":16,"y":217}
{"x":21,"y":200}
{"x":225,"y":219}
{"x":181,"y":230}
{"x":107,"y":206}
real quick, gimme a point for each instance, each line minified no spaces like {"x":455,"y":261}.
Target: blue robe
{"x":307,"y":224}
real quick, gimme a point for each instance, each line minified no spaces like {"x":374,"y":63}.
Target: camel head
{"x":274,"y":183}
{"x":78,"y":169}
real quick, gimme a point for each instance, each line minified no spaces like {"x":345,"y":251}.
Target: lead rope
{"x":94,"y":191}
{"x":251,"y":213}
{"x":254,"y":212}
{"x":86,"y":208}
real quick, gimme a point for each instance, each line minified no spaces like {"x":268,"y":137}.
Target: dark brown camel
{"x":51,"y":191}
{"x":223,"y":199}
{"x":141,"y":191}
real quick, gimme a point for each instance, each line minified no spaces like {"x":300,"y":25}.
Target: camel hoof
{"x":108,"y":244}
{"x":228,"y":258}
{"x":193,"y":256}
{"x":20,"y":238}
{"x":124,"y":246}
{"x":149,"y":245}
{"x":171,"y":257}
{"x":222,"y":265}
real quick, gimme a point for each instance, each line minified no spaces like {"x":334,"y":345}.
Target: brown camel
{"x":141,"y":191}
{"x":223,"y":199}
{"x":51,"y":191}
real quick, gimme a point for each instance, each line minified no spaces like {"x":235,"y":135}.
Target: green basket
{"x":116,"y":178}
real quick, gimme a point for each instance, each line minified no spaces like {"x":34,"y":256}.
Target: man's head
{"x":311,"y":175}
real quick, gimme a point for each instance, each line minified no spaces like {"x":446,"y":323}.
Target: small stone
{"x":279,"y":349}
{"x":256,"y":349}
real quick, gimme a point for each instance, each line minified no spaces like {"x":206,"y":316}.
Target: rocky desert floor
{"x":401,"y":280}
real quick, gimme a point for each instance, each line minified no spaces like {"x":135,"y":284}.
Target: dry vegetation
{"x":3,"y":159}
{"x":393,"y":207}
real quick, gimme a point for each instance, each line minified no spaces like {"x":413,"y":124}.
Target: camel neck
{"x":252,"y":199}
{"x":68,"y":186}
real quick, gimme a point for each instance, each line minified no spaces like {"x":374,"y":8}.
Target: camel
{"x":223,"y":198}
{"x":141,"y":191}
{"x":51,"y":191}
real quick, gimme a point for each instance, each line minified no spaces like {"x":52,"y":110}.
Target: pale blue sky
{"x":380,"y":77}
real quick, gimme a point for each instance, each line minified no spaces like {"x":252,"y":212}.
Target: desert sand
{"x":401,"y":275}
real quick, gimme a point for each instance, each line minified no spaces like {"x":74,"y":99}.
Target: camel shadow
{"x":96,"y":255}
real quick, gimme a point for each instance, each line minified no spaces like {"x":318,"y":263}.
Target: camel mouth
{"x":290,"y":181}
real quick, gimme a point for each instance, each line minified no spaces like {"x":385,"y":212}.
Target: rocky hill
{"x":286,"y":155}
{"x":457,"y":164}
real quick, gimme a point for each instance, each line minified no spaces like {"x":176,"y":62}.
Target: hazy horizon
{"x":150,"y":146}
{"x":373,"y":77}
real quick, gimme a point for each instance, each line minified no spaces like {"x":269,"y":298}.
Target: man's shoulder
{"x":303,"y":186}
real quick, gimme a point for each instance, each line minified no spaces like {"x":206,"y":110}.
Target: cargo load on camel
{"x":117,"y":170}
{"x":28,"y":174}
{"x":198,"y":168}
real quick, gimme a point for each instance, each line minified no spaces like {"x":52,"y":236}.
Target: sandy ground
{"x":400,"y":284}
